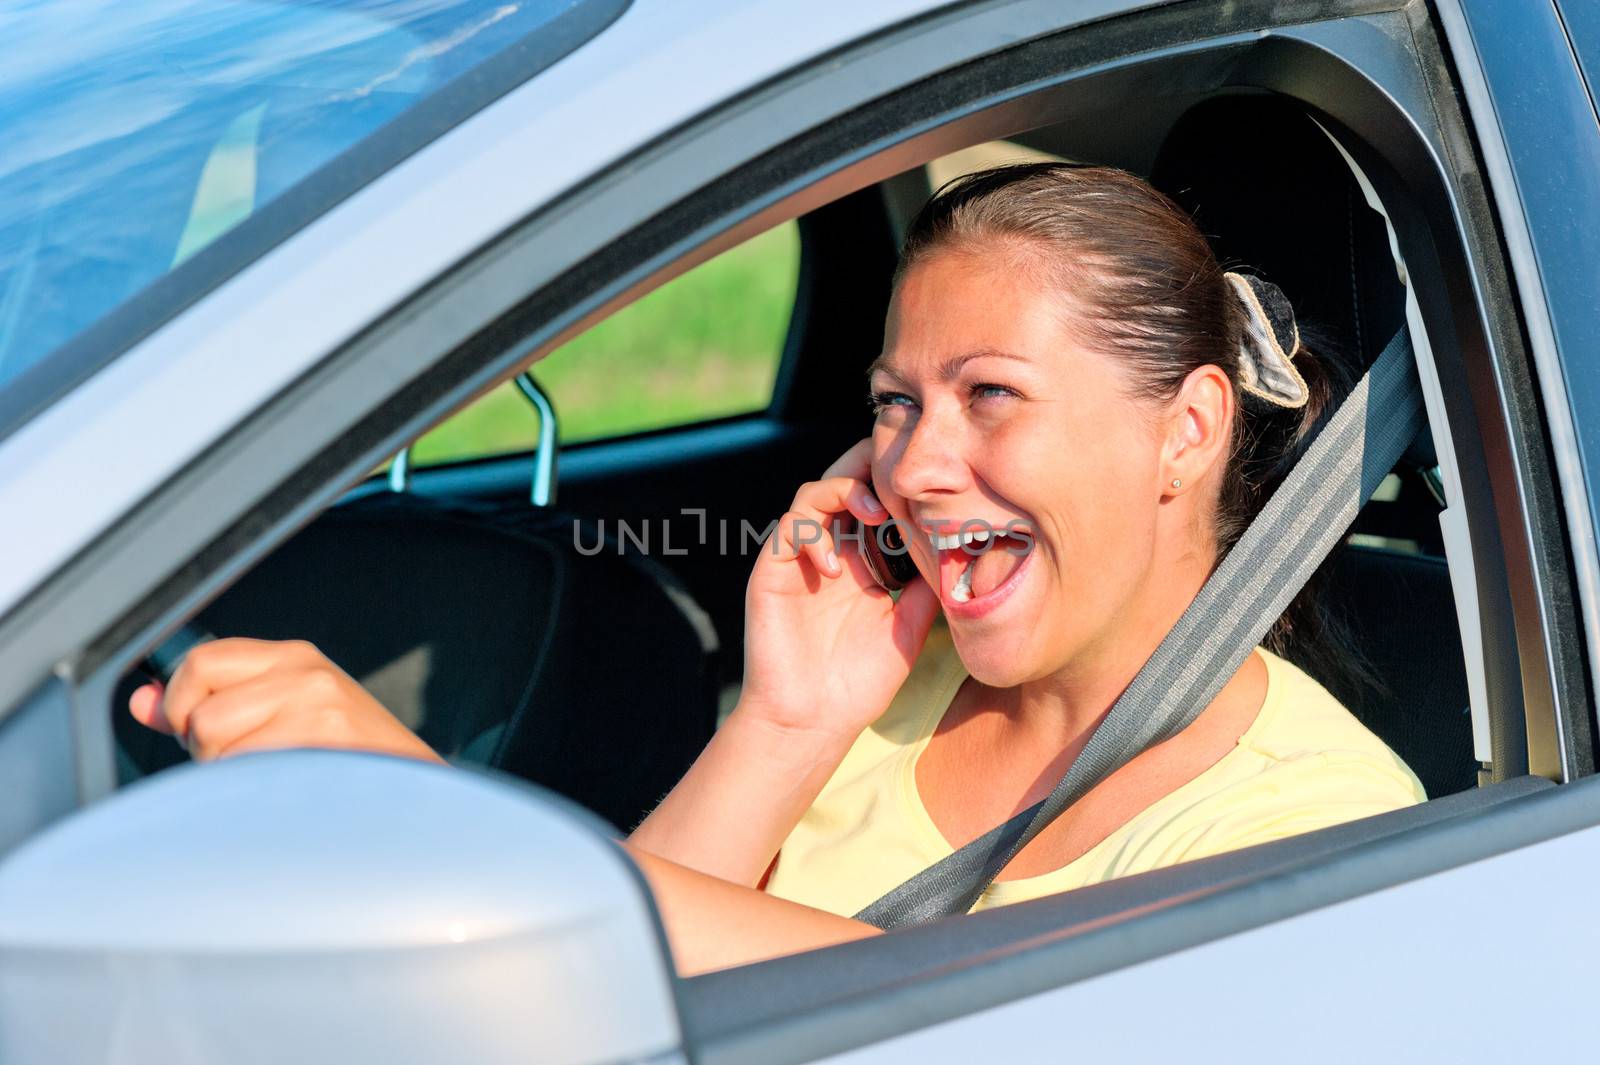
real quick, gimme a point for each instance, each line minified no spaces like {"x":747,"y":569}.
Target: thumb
{"x":145,"y":706}
{"x":914,"y":612}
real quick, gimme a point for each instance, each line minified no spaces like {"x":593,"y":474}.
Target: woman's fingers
{"x":279,"y":733}
{"x":812,"y":526}
{"x":219,"y":721}
{"x":856,"y":562}
{"x":145,"y":706}
{"x":826,"y":498}
{"x":856,"y":463}
{"x":864,"y":504}
{"x":808,"y":529}
{"x":218,"y":664}
{"x":846,"y":486}
{"x":802,"y":535}
{"x":282,"y":709}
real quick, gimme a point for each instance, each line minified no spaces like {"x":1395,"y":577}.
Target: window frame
{"x":1517,"y":75}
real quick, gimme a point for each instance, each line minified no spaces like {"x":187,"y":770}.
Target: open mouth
{"x":977,"y":564}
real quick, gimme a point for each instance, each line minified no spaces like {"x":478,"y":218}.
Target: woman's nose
{"x":930,"y":462}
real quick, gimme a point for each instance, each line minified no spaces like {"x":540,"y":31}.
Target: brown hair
{"x":1143,"y":286}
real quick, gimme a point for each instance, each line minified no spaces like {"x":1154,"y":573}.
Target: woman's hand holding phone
{"x":826,"y":647}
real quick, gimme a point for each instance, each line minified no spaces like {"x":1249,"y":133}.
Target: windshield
{"x":137,"y":134}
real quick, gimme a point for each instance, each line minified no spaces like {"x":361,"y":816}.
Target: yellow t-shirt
{"x":1304,"y":763}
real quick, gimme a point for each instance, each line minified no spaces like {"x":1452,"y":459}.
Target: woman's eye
{"x":991,"y":391}
{"x":882,"y":401}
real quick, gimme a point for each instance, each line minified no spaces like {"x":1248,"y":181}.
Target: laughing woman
{"x":1064,"y":358}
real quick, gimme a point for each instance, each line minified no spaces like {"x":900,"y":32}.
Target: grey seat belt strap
{"x":1285,"y":543}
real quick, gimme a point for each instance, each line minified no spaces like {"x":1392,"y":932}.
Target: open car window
{"x":703,"y":346}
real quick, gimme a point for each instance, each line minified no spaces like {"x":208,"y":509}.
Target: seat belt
{"x":1285,"y":543}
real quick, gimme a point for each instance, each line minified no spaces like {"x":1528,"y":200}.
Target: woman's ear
{"x":1198,"y":424}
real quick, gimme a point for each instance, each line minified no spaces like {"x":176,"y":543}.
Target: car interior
{"x":487,"y":626}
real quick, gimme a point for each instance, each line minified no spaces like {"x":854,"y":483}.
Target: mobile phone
{"x":888,"y":558}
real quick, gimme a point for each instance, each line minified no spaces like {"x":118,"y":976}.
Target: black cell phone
{"x":888,"y":557}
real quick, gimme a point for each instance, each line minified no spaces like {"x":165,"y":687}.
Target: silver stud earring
{"x":1177,"y":482}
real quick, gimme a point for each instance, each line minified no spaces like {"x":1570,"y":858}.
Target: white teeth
{"x":961,"y":591}
{"x":960,"y":539}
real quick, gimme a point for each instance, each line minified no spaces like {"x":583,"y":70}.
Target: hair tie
{"x":1270,"y":342}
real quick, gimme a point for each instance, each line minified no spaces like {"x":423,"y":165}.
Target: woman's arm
{"x":236,"y":695}
{"x":742,"y":797}
{"x":825,"y":650}
{"x":712,"y":924}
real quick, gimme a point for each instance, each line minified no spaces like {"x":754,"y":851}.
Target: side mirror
{"x":321,"y":906}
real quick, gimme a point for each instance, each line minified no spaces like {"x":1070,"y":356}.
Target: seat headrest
{"x":1273,"y":195}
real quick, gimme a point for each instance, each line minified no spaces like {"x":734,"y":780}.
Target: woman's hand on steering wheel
{"x":236,"y":695}
{"x":826,"y":647}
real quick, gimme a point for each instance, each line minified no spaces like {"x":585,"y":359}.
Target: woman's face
{"x":989,"y":414}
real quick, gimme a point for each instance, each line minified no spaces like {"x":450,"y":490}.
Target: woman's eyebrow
{"x":951,"y":367}
{"x":881,"y":365}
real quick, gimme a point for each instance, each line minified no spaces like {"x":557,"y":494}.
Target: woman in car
{"x":1066,"y":363}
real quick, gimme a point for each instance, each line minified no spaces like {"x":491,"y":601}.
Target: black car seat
{"x":1298,"y":217}
{"x":490,"y":634}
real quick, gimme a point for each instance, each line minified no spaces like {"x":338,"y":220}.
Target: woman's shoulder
{"x":1311,"y":749}
{"x":1306,"y":764}
{"x":1303,"y":718}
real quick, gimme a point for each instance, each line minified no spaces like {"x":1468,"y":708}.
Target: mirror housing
{"x":322,"y":906}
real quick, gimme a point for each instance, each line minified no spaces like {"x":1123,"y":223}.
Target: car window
{"x":705,"y":345}
{"x":137,"y":135}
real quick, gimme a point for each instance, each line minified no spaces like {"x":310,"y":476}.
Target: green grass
{"x":704,"y":345}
